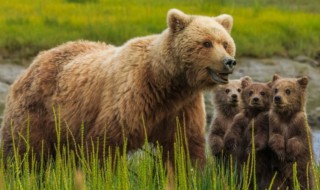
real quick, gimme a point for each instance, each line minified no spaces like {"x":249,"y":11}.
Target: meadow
{"x":77,"y":169}
{"x":261,"y":29}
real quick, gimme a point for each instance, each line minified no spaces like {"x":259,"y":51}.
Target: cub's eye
{"x":225,"y":45}
{"x":262,"y":93}
{"x":288,"y":92}
{"x":207,"y":44}
{"x":276,"y":90}
{"x":239,"y":90}
{"x":250,"y":93}
{"x":227,"y":91}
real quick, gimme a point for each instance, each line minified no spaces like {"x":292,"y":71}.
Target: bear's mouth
{"x":234,"y":103}
{"x":220,"y":78}
{"x":255,"y":105}
{"x":279,"y":105}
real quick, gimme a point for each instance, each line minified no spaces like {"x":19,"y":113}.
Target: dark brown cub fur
{"x":254,"y":116}
{"x":289,"y":132}
{"x":227,"y":102}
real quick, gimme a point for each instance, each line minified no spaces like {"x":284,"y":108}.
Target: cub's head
{"x":256,"y":96}
{"x":289,"y":94}
{"x":228,"y":95}
{"x":202,"y":46}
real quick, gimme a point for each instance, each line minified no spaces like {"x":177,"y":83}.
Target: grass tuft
{"x":144,"y":169}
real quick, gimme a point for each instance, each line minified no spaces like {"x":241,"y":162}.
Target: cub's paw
{"x":216,"y":149}
{"x":230,"y":145}
{"x":249,"y":149}
{"x":281,"y":155}
{"x":290,"y":158}
{"x":260,"y":146}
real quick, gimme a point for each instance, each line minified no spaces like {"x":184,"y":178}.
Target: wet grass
{"x":261,"y":29}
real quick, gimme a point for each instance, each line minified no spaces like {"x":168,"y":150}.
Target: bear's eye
{"x":207,"y":44}
{"x":288,"y":92}
{"x":225,"y":45}
{"x":239,"y":90}
{"x":227,"y":91}
{"x":276,"y":90}
{"x":262,"y":93}
{"x":250,"y":93}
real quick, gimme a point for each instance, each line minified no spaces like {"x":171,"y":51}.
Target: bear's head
{"x":256,"y":96}
{"x":202,"y":46}
{"x":229,"y":94}
{"x":289,"y":94}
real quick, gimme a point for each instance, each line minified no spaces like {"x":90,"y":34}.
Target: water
{"x":316,"y":144}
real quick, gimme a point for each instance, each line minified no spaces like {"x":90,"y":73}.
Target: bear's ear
{"x":245,"y":81}
{"x":303,"y":82}
{"x":275,"y":77}
{"x":177,"y":20}
{"x":269,"y":84}
{"x":226,"y":21}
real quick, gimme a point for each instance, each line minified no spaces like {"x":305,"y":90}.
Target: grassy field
{"x":73,"y":169}
{"x":261,"y":29}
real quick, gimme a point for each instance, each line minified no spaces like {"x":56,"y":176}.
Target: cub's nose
{"x":234,"y":96}
{"x":255,"y":99}
{"x":229,"y":63}
{"x":277,"y":99}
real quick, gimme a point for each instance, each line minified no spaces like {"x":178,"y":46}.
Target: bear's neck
{"x":227,"y":110}
{"x":287,"y":112}
{"x":168,"y":79}
{"x":254,"y":112}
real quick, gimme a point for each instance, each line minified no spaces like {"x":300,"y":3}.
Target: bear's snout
{"x":255,"y":99}
{"x":277,"y":99}
{"x":229,"y":63}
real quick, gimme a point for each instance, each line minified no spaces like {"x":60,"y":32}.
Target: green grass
{"x":260,"y":28}
{"x":74,"y":169}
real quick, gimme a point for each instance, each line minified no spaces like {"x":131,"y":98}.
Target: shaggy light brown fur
{"x":128,"y":92}
{"x":289,"y":132}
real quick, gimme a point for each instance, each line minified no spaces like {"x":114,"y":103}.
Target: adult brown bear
{"x":130,"y":92}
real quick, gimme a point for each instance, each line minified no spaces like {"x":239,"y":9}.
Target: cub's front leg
{"x":234,"y":134}
{"x":297,"y":144}
{"x":276,"y":137}
{"x":217,"y":132}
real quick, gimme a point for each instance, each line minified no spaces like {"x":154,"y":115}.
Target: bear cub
{"x":254,"y":116}
{"x":227,"y":102}
{"x":289,"y":132}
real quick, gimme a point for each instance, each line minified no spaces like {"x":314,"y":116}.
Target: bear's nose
{"x":277,"y":99}
{"x":255,"y":99}
{"x":230,"y":63}
{"x":234,"y":96}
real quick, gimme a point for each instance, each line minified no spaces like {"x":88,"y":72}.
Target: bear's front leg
{"x":215,"y":138}
{"x":276,"y":143}
{"x":276,"y":136}
{"x":194,"y":121}
{"x":294,"y":148}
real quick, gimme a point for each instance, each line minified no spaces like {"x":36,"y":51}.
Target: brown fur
{"x":122,"y":92}
{"x":227,"y":102}
{"x":238,"y":139}
{"x":289,"y":132}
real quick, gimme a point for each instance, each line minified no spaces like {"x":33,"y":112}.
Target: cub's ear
{"x":177,"y":20}
{"x":246,"y":81}
{"x":303,"y":82}
{"x":269,"y":84}
{"x":226,"y":21}
{"x":275,"y":77}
